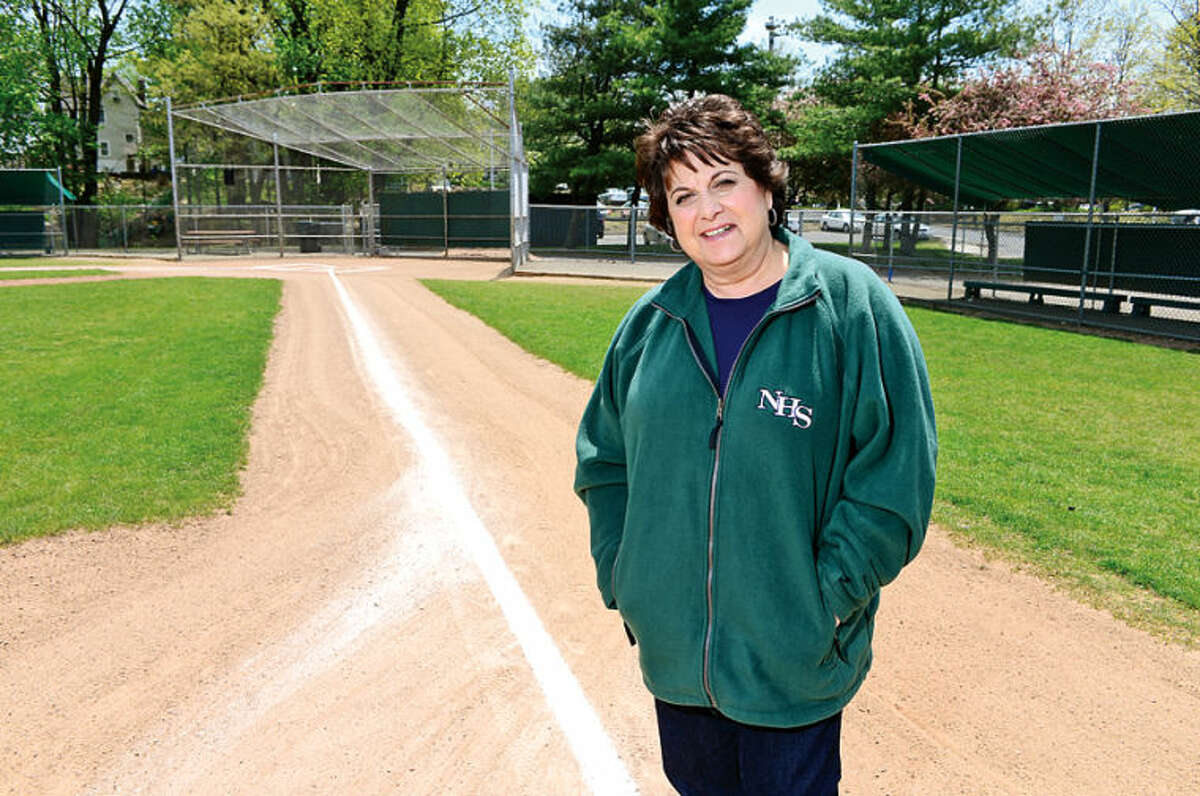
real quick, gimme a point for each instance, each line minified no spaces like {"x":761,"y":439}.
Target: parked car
{"x":652,"y":236}
{"x":612,"y":196}
{"x":621,"y":213}
{"x":794,"y":220}
{"x":897,"y":221}
{"x":840,"y":220}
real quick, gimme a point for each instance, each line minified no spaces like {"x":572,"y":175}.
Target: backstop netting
{"x":377,"y":168}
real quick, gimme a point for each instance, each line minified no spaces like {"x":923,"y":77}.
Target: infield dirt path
{"x":334,"y":633}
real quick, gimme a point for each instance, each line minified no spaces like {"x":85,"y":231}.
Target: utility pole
{"x":771,"y":27}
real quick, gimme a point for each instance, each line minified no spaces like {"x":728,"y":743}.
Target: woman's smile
{"x":719,"y":213}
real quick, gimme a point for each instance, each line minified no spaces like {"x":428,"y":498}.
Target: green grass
{"x":126,"y":401}
{"x":49,"y":262}
{"x":1078,"y":456}
{"x":567,"y":324}
{"x":12,"y":275}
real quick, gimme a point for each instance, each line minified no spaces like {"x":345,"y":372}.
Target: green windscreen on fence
{"x":27,"y":188}
{"x":1147,"y":258}
{"x":22,"y":221}
{"x":1149,"y":159}
{"x":433,"y":219}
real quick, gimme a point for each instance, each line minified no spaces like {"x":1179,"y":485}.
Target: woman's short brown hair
{"x":714,"y":129}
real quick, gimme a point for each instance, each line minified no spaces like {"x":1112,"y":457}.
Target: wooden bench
{"x":1142,"y":304}
{"x":1037,"y":293}
{"x":239,"y":238}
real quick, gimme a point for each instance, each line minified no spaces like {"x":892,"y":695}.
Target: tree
{"x":889,"y":52}
{"x":19,"y":116}
{"x":583,"y":115}
{"x":378,"y":40}
{"x":617,"y":62}
{"x":1048,"y":86}
{"x":693,"y":49}
{"x":1176,"y":78}
{"x":889,"y":49}
{"x":1119,"y":33}
{"x":75,"y":42}
{"x":212,"y":49}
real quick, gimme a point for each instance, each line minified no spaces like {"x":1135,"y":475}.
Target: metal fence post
{"x":445,"y":215}
{"x":369,"y":221}
{"x":954,"y":223}
{"x":1087,"y":240}
{"x":278,"y":193}
{"x":853,"y":195}
{"x":632,"y":232}
{"x":174,"y":182}
{"x":891,"y":234}
{"x":62,"y":210}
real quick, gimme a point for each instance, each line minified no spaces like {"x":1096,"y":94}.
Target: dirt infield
{"x":334,"y":633}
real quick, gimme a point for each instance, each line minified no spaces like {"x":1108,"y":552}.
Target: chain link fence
{"x":1138,"y":272}
{"x":1131,"y":271}
{"x":32,"y":229}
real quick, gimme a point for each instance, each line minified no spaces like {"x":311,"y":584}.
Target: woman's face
{"x":719,"y":213}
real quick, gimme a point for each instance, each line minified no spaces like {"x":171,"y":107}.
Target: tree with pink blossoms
{"x":1046,"y":87}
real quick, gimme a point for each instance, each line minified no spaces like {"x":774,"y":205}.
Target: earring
{"x":670,"y":230}
{"x":772,"y":217}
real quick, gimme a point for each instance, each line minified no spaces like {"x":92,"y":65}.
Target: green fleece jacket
{"x":744,"y":540}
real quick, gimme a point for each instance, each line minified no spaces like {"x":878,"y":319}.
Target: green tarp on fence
{"x":1142,"y":258}
{"x":467,"y":219}
{"x":1149,"y":159}
{"x":25,"y":188}
{"x":23,"y":194}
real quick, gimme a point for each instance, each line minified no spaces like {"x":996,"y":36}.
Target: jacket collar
{"x":683,"y":294}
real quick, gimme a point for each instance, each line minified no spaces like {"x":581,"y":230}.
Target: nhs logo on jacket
{"x":788,"y":406}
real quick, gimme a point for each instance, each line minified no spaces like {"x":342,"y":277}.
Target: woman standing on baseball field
{"x":757,"y":460}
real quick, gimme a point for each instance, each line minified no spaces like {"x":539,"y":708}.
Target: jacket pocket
{"x":612,"y":578}
{"x":852,"y":638}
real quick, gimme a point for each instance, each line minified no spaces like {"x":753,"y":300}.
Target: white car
{"x":613,"y":196}
{"x":840,"y":220}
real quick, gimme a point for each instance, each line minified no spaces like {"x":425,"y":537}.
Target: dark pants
{"x":705,"y":753}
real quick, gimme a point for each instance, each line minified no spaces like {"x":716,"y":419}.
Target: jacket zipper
{"x":714,"y":444}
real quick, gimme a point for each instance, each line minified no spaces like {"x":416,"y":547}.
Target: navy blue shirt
{"x":731,"y":321}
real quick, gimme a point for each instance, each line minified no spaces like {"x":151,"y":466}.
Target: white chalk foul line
{"x":593,"y":749}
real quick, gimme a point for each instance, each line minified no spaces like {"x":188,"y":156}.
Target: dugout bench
{"x":1142,"y":304}
{"x":1037,"y":293}
{"x":238,"y":238}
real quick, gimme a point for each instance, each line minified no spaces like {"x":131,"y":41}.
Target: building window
{"x":103,"y":149}
{"x":102,"y":115}
{"x":129,"y":138}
